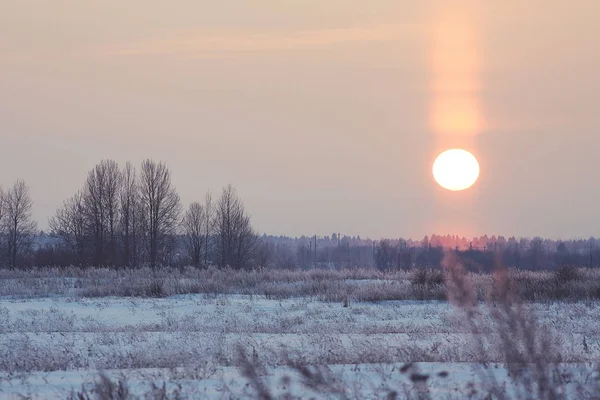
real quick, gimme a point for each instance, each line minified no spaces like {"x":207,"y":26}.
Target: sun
{"x":456,"y":169}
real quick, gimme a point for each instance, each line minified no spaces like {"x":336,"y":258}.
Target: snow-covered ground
{"x":49,"y":346}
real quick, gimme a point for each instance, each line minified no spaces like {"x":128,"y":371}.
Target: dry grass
{"x":530,"y":351}
{"x":428,"y":277}
{"x":492,"y":307}
{"x":369,"y":285}
{"x":107,"y":389}
{"x":500,"y":326}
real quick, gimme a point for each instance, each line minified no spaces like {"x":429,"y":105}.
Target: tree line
{"x":478,"y":254}
{"x":130,"y":217}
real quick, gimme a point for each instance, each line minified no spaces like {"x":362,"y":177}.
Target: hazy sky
{"x":325,"y":114}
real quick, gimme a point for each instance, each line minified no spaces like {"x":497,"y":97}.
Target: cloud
{"x":195,"y":44}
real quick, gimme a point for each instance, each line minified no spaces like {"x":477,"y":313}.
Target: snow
{"x":49,"y":346}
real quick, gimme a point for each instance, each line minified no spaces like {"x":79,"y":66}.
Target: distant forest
{"x":127,"y":217}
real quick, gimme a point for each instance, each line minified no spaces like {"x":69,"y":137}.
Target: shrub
{"x":428,"y":277}
{"x":565,"y":273}
{"x":155,"y":289}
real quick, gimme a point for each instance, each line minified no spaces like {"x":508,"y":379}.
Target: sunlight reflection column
{"x":455,"y":115}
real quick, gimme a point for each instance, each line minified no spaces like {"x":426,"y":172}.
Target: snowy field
{"x":56,"y":346}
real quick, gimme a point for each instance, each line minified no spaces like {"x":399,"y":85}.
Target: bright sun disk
{"x":456,"y":169}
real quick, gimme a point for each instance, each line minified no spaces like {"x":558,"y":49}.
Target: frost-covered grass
{"x":359,"y":381}
{"x":359,"y":284}
{"x":320,"y":338}
{"x":196,"y":332}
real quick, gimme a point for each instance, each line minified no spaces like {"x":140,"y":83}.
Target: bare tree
{"x":209,"y":213}
{"x":114,"y":182}
{"x":2,"y":208}
{"x":129,"y":206}
{"x":194,"y":232}
{"x":384,"y":255}
{"x":20,"y":229}
{"x":161,"y":206}
{"x":69,"y":225}
{"x":101,"y":206}
{"x":265,"y":252}
{"x":236,"y":241}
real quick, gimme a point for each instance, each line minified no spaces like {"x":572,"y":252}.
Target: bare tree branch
{"x":20,"y":229}
{"x":161,"y":206}
{"x":194,"y":233}
{"x":69,"y":225}
{"x":101,"y":209}
{"x":236,"y":240}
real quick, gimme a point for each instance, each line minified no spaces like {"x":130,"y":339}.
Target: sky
{"x":326,"y":115}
